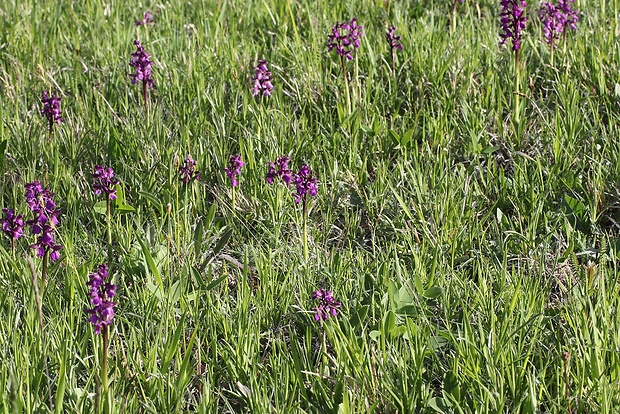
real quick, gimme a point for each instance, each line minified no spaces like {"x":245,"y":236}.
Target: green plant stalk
{"x":346,"y":84}
{"x":108,"y":218}
{"x":304,"y":218}
{"x":107,"y":397}
{"x":145,"y":94}
{"x":516,"y":98}
{"x":44,"y":272}
{"x":233,"y":197}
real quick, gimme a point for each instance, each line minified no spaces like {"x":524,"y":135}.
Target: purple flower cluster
{"x":392,"y":39}
{"x":142,"y":62}
{"x":263,"y":82}
{"x":188,"y":171}
{"x":51,"y":109}
{"x":100,"y":294}
{"x":280,"y":169}
{"x":45,"y":219}
{"x":556,"y":19}
{"x":234,"y":169}
{"x":345,"y":38}
{"x":305,"y":184}
{"x":12,"y":224}
{"x":513,"y":20}
{"x":104,"y":182}
{"x":147,"y":19}
{"x":327,"y":304}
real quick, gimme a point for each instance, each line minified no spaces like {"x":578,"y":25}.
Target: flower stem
{"x":305,"y":229}
{"x":107,"y":406}
{"x":109,"y":231}
{"x":44,"y":271}
{"x":146,"y":97}
{"x":516,"y":98}
{"x":346,"y":84}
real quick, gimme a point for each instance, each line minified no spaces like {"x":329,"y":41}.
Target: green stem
{"x":346,"y":84}
{"x":145,"y":94}
{"x":44,"y":272}
{"x":107,"y":406}
{"x":109,"y":231}
{"x":516,"y":98}
{"x":305,"y":229}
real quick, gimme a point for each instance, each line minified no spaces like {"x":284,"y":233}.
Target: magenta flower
{"x":345,"y":38}
{"x":142,"y":62}
{"x":280,"y":169}
{"x":392,"y":39}
{"x":104,"y":182}
{"x":51,"y":110}
{"x":327,"y":304}
{"x":146,"y":20}
{"x":305,"y":184}
{"x":262,"y":81}
{"x":12,"y":224}
{"x":102,"y":312}
{"x":556,"y":19}
{"x":188,"y":171}
{"x":513,"y":21}
{"x":234,"y":169}
{"x":570,"y":16}
{"x":45,"y":220}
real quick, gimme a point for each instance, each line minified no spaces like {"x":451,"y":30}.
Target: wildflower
{"x":263,"y":82}
{"x":393,"y":40}
{"x":305,"y":184}
{"x":142,"y":62}
{"x":45,"y":220}
{"x":234,"y":169}
{"x":100,"y":294}
{"x":104,"y":182}
{"x":187,"y":171}
{"x":569,"y":16}
{"x":51,"y":110}
{"x":280,"y":169}
{"x":345,"y":38}
{"x":551,"y":19}
{"x":12,"y":224}
{"x":327,"y":304}
{"x":513,"y":21}
{"x":147,"y":19}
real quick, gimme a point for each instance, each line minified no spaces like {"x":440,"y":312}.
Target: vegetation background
{"x":475,"y":259}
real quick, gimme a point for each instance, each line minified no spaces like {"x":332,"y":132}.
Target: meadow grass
{"x":475,"y":258}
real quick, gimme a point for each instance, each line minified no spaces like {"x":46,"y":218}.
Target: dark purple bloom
{"x":551,"y":18}
{"x":327,"y":304}
{"x":556,"y":19}
{"x":392,"y":39}
{"x":104,"y":182}
{"x":12,"y":224}
{"x":280,"y":169}
{"x":45,"y":220}
{"x":188,"y":171}
{"x":147,"y":19}
{"x":142,"y":62}
{"x":570,"y":16}
{"x":51,"y":109}
{"x":513,"y":21}
{"x":234,"y":169}
{"x":305,"y":184}
{"x":100,"y":294}
{"x":262,"y":81}
{"x":345,"y":38}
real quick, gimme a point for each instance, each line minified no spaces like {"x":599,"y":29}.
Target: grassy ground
{"x":475,"y":257}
